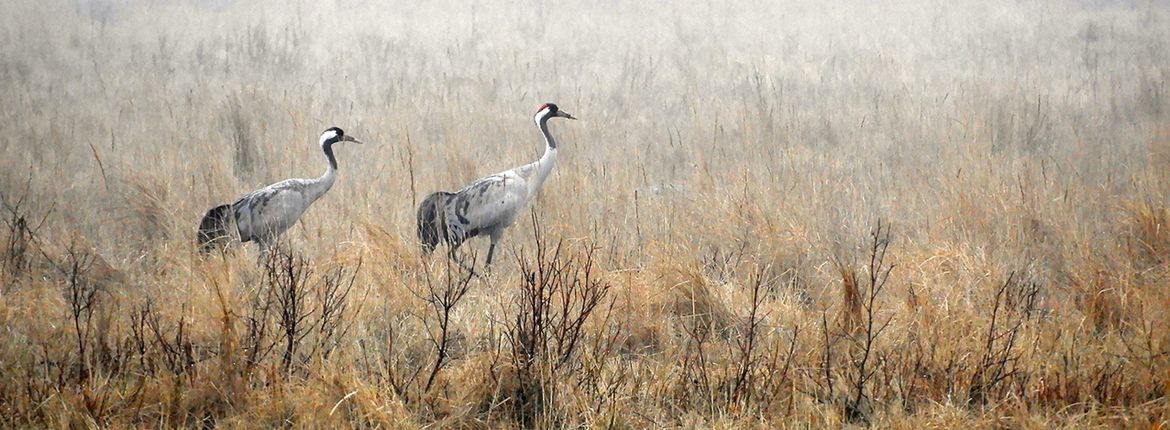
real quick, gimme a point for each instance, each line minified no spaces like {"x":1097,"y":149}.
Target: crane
{"x":490,"y":204}
{"x":263,"y":215}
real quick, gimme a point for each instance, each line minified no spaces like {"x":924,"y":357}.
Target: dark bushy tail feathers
{"x":432,"y":225}
{"x":213,"y":229}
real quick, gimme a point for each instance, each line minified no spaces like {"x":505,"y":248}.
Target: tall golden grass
{"x":944,"y":214}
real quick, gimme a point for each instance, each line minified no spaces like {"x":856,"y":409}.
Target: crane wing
{"x":269,"y":211}
{"x":487,"y":205}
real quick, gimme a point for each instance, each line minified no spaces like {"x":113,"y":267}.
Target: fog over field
{"x":767,"y":214}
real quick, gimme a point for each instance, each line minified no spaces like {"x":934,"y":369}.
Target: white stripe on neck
{"x":542,"y":114}
{"x":327,"y":136}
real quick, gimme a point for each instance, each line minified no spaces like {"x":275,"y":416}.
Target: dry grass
{"x":709,"y":251}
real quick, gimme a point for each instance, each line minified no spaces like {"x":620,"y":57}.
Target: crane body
{"x":261,"y":216}
{"x":488,"y":205}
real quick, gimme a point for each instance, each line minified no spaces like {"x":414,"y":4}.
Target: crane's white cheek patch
{"x":330,"y":134}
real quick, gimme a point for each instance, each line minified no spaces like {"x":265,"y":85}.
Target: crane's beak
{"x":350,"y":139}
{"x":564,"y":114}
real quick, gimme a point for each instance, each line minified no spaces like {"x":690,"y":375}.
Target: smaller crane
{"x":490,"y":204}
{"x":263,"y":215}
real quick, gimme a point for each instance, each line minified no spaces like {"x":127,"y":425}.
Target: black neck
{"x":552,"y":143}
{"x":328,"y":148}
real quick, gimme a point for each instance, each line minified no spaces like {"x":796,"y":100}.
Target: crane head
{"x":333,"y":135}
{"x":550,"y":110}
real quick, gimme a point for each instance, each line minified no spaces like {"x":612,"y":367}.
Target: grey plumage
{"x":263,"y":215}
{"x":489,"y":205}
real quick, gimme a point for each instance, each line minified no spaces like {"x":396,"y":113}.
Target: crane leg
{"x":491,"y":250}
{"x":262,"y":256}
{"x":452,"y":257}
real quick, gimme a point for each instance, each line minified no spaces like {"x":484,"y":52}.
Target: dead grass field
{"x":898,"y":214}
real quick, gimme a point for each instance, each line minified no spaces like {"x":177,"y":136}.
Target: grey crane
{"x":490,"y":204}
{"x":263,"y":215}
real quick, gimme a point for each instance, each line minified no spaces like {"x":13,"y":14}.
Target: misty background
{"x":982,"y":125}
